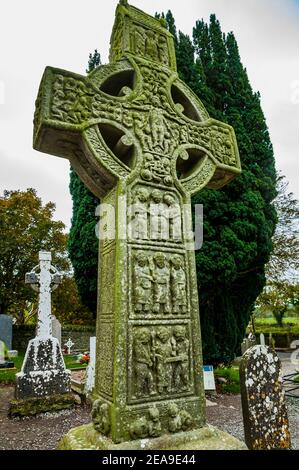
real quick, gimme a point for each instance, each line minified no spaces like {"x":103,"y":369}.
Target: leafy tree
{"x":284,"y":260}
{"x":67,"y":305}
{"x":278,"y":297}
{"x":83,"y":244}
{"x":26,"y":227}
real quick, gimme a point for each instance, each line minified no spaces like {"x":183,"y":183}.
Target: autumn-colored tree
{"x":277,"y":298}
{"x":26,"y":227}
{"x":67,"y":305}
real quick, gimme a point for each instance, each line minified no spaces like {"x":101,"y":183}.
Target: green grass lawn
{"x":8,"y":376}
{"x":269,"y":325}
{"x":231,"y":374}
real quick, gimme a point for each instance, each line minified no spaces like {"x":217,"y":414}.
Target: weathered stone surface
{"x":34,"y":405}
{"x":6,"y":330}
{"x":264,"y":409}
{"x":205,"y":438}
{"x":43,"y":372}
{"x":144,"y":143}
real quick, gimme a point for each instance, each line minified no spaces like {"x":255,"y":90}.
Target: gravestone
{"x":90,"y":372}
{"x":56,"y":329}
{"x":6,"y":330}
{"x":264,"y":408}
{"x":143,"y":143}
{"x":43,"y":372}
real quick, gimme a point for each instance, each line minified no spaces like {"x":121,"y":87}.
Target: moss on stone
{"x":206,"y":438}
{"x":33,"y":406}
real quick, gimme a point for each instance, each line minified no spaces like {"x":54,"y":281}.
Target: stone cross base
{"x":206,"y":438}
{"x":43,"y":372}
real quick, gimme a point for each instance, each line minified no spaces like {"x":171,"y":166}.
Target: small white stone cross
{"x":69,"y":344}
{"x":44,"y":278}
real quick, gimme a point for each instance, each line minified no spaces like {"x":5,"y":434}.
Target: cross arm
{"x":63,"y":126}
{"x":210,"y":158}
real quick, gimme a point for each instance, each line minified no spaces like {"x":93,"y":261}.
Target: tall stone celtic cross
{"x":44,"y":278}
{"x":134,"y":131}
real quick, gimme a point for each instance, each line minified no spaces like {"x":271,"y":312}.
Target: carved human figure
{"x":173,"y":213}
{"x":143,"y":363}
{"x":154,"y":423}
{"x":181,"y":365}
{"x":163,"y":356}
{"x":139,"y":41}
{"x":156,"y":127}
{"x":163,"y":50}
{"x":151,"y":47}
{"x":161,"y":279}
{"x":139,"y":212}
{"x":178,"y":285}
{"x":157,"y":230}
{"x":142,"y":283}
{"x":174,"y":420}
{"x":100,"y":417}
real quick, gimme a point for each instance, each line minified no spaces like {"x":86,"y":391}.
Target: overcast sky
{"x":61,"y":33}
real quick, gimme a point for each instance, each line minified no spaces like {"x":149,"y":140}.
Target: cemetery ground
{"x":44,"y":431}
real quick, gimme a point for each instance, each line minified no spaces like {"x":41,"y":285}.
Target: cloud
{"x":62,"y":33}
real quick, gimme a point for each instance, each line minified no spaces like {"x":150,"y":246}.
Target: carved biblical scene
{"x":71,"y":100}
{"x":159,"y":284}
{"x":154,"y":215}
{"x":160,"y":361}
{"x":149,"y":44}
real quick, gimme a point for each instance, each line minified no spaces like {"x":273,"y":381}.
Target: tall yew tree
{"x":239,"y":220}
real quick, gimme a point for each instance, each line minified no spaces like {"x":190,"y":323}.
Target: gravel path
{"x":44,"y":431}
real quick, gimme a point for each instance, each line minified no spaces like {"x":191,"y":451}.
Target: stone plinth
{"x":43,"y":371}
{"x":206,"y":438}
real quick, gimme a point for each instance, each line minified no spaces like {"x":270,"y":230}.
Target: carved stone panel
{"x":160,"y":361}
{"x":159,"y":285}
{"x":105,"y":358}
{"x":154,"y":215}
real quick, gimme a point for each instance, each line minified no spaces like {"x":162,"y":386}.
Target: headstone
{"x":209,"y":379}
{"x":6,"y":330}
{"x":43,"y":372}
{"x":264,"y":408}
{"x":262,"y":339}
{"x":56,"y":329}
{"x":143,"y":143}
{"x":90,"y":372}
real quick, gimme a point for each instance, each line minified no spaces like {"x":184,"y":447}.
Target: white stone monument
{"x":43,"y":372}
{"x":90,"y":372}
{"x":262,"y":339}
